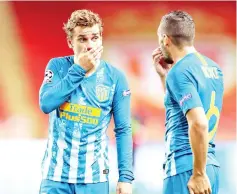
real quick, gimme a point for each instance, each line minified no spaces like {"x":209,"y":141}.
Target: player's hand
{"x":199,"y":184}
{"x":158,"y":60}
{"x":124,"y":188}
{"x":88,"y":59}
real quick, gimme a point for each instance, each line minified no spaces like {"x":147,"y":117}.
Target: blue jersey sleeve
{"x":123,"y":133}
{"x":183,"y":90}
{"x":55,"y":90}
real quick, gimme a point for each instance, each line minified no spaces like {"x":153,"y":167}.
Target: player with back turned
{"x":194,"y":89}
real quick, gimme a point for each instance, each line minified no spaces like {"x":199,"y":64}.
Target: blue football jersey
{"x":194,"y":81}
{"x":80,"y":109}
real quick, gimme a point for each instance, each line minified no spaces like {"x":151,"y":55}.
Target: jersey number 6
{"x":213,"y":111}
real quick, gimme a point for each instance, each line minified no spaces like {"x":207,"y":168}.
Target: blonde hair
{"x":82,"y":18}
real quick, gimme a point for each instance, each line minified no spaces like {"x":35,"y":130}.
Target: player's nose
{"x":89,"y":45}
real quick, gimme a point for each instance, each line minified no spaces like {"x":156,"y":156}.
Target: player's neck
{"x":180,"y":54}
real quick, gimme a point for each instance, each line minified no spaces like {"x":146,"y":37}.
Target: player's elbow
{"x":199,"y":126}
{"x":45,"y":109}
{"x":123,"y":130}
{"x":197,"y":120}
{"x":44,"y":106}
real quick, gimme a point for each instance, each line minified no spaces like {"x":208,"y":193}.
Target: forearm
{"x":125,"y":156}
{"x":199,"y":144}
{"x":122,"y":119}
{"x":162,"y":78}
{"x":53,"y":97}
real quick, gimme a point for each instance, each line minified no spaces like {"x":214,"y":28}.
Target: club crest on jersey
{"x":48,"y":76}
{"x":102,"y":92}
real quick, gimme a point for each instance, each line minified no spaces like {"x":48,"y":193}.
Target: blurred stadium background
{"x":31,"y":33}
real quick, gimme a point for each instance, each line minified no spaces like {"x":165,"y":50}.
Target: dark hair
{"x":179,"y":26}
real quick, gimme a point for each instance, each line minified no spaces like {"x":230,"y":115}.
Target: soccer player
{"x":81,"y":93}
{"x":193,"y":101}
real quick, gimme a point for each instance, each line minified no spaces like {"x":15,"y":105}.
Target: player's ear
{"x":69,"y":42}
{"x":166,"y":40}
{"x":101,"y":37}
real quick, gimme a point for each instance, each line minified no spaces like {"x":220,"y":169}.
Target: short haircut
{"x":179,"y":26}
{"x":82,"y":18}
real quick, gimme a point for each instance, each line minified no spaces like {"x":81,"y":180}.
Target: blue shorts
{"x":53,"y":187}
{"x":178,"y":184}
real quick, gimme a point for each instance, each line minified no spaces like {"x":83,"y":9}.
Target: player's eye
{"x":81,"y":40}
{"x":95,"y":38}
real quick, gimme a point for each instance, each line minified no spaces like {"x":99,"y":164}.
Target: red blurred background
{"x":32,"y":33}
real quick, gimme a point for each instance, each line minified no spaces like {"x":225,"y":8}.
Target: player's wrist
{"x":125,"y":182}
{"x":79,"y":69}
{"x":199,"y":172}
{"x":162,"y":76}
{"x":125,"y":179}
{"x":84,"y":67}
